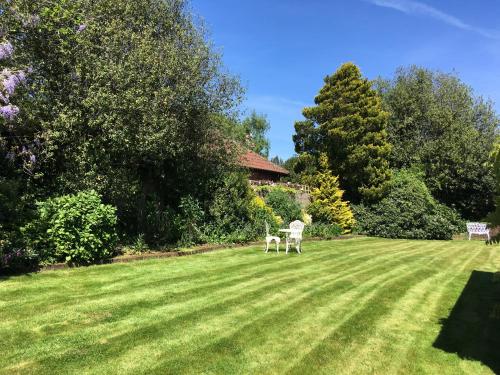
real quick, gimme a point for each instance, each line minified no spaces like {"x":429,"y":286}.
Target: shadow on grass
{"x":472,"y":330}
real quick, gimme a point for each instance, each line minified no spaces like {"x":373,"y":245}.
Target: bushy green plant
{"x":120,"y":97}
{"x":264,"y":190}
{"x":494,"y":217}
{"x":138,"y":246}
{"x":260,"y":214}
{"x":327,"y":204}
{"x":284,"y":205}
{"x":437,"y":121}
{"x":159,"y":228}
{"x":322,"y":230}
{"x":408,"y":211}
{"x":230,"y":207}
{"x":13,"y":213}
{"x":189,"y":222}
{"x":237,"y":214}
{"x":78,"y":229}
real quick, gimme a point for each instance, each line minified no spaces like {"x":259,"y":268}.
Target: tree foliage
{"x":327,"y":204}
{"x":284,"y":205}
{"x":256,"y":127}
{"x":348,"y":123}
{"x":120,"y":97}
{"x":494,"y":217}
{"x":437,"y":122}
{"x":408,"y":211}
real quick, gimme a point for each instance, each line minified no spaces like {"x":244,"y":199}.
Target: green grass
{"x":354,"y":306}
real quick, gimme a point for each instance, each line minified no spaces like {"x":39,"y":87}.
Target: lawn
{"x":362,"y":305}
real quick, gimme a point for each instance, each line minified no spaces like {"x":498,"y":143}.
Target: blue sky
{"x":282,"y":49}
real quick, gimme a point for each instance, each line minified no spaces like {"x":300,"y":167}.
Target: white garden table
{"x":287,"y":234}
{"x":286,"y":231}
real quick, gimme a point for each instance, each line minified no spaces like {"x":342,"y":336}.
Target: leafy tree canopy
{"x":349,"y":125}
{"x":437,"y":122}
{"x":118,"y":96}
{"x":256,"y":127}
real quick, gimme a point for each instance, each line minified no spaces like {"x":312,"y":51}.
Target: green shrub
{"x":322,"y":230}
{"x":138,"y":246}
{"x":13,"y":214}
{"x":264,"y":190}
{"x":327,"y":204}
{"x":230,"y":207}
{"x":159,"y":228}
{"x":237,"y":214}
{"x":78,"y":229}
{"x":284,"y":205}
{"x":408,"y":211}
{"x":260,"y":213}
{"x":189,"y":222}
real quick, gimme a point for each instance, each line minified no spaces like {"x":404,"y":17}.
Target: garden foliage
{"x":349,"y":125}
{"x":323,"y":230}
{"x":438,"y":123}
{"x":327,"y":204}
{"x":77,"y":229}
{"x":115,"y":96}
{"x":283,"y":204}
{"x":494,"y":217}
{"x":408,"y":211}
{"x":237,"y":214}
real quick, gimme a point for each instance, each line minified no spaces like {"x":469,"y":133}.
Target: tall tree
{"x":250,"y":132}
{"x":437,"y":122}
{"x":494,"y":217}
{"x":120,"y":97}
{"x":349,"y":125}
{"x":255,"y":128}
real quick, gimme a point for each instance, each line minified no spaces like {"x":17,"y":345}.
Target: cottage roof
{"x":253,"y":160}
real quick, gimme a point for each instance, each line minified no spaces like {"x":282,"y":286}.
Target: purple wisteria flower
{"x":81,"y":28}
{"x":11,"y":80}
{"x":9,"y":112}
{"x":32,"y":159}
{"x":6,"y":50}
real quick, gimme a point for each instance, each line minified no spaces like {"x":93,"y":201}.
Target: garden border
{"x":207,"y":248}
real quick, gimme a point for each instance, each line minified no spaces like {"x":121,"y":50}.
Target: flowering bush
{"x":6,"y":50}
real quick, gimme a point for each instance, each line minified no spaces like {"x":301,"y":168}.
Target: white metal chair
{"x":478,"y":228}
{"x":270,"y":239}
{"x":296,"y":229}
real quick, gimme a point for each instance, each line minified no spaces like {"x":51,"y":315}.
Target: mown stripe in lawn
{"x":339,"y":340}
{"x":388,"y":340}
{"x":264,"y":325}
{"x":134,"y":275}
{"x":293,"y":303}
{"x":235,"y":302}
{"x":134,"y":295}
{"x":422,"y":356}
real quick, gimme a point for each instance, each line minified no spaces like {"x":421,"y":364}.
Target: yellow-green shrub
{"x":327,"y":205}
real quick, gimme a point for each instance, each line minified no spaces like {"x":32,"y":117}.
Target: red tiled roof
{"x":253,"y":160}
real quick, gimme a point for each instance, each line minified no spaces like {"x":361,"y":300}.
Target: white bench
{"x":478,"y":228}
